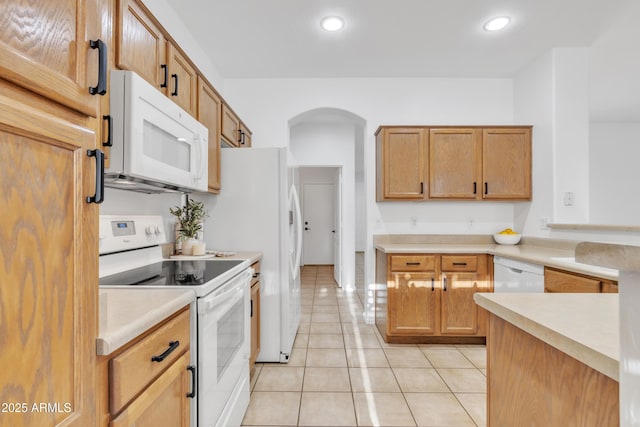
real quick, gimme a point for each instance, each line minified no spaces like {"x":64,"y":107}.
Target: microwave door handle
{"x":201,"y":156}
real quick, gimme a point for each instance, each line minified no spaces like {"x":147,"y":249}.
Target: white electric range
{"x":131,"y":256}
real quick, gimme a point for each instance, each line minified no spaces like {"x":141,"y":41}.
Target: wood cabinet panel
{"x":48,"y":259}
{"x":255,"y":323}
{"x":455,"y":162}
{"x":402,"y":167}
{"x":459,"y":313}
{"x":452,"y":263}
{"x":209,"y":113}
{"x":164,"y":402}
{"x":132,"y":370}
{"x":230,"y":126}
{"x":44,"y":47}
{"x":531,"y":383}
{"x":506,"y":163}
{"x":141,"y":44}
{"x":413,"y":303}
{"x":182,"y":87}
{"x":561,"y":281}
{"x":609,"y":287}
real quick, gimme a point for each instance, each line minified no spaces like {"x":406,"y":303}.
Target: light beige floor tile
{"x":361,"y":341}
{"x":464,"y":380}
{"x":437,"y":409}
{"x":327,"y":409}
{"x":331,"y":309}
{"x":326,"y":341}
{"x":298,"y":357}
{"x":372,"y":380}
{"x":366,"y":358}
{"x":446,"y":358}
{"x":326,"y":379}
{"x":476,"y":406}
{"x":382,"y":409}
{"x":303,"y":328}
{"x":420,"y":380}
{"x":301,"y":341}
{"x":324,"y":318}
{"x":439,"y":346}
{"x":484,"y":372}
{"x":305,"y":317}
{"x":326,"y":358}
{"x":325,"y":328}
{"x":358,"y":329}
{"x":477,"y":356}
{"x":280,"y":379}
{"x":253,"y":375}
{"x":272,"y":409}
{"x":406,"y":358}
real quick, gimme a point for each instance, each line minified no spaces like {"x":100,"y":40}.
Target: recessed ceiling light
{"x":496,"y":24}
{"x":332,"y":23}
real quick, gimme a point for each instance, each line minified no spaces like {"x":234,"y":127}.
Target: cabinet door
{"x":230,"y":126}
{"x":463,"y":276}
{"x":506,"y":163}
{"x":255,"y":323}
{"x":567,"y":282}
{"x":412,"y":304}
{"x":183,"y":80}
{"x":164,"y":402}
{"x":455,"y":161}
{"x":403,"y":164}
{"x":209,"y":113}
{"x":44,"y":47}
{"x":48,"y":260}
{"x":141,"y":44}
{"x":609,"y":287}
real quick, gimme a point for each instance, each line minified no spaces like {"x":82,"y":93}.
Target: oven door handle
{"x":221,"y":301}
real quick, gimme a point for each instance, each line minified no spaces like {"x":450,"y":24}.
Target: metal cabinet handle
{"x":475,"y":187}
{"x":412,"y":263}
{"x":172,"y":346}
{"x":486,"y":188}
{"x":194,"y":381}
{"x":422,"y":188}
{"x":444,"y":283}
{"x":256,"y":274}
{"x":251,"y":309}
{"x":101,"y":88}
{"x":175,"y":85}
{"x":166,"y":75}
{"x":108,"y":142}
{"x":433,"y":286}
{"x":460,"y":264}
{"x":239,"y":136}
{"x":98,"y":197}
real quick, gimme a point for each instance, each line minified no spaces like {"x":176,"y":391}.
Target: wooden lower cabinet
{"x":429,"y":298}
{"x":530,"y":383}
{"x":149,"y":381}
{"x":567,"y":282}
{"x":255,"y":314}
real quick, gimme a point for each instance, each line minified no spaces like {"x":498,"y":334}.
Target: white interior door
{"x":337,"y":233}
{"x":318,"y":223}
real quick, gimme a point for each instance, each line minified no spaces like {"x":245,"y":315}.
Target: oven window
{"x":165,"y":147}
{"x":230,"y":336}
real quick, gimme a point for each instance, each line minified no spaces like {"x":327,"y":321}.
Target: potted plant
{"x":189,"y":222}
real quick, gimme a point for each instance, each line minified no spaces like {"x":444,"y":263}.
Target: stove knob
{"x":157,"y":230}
{"x":148,"y":230}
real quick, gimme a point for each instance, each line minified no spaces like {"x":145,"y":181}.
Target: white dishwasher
{"x":516,"y":276}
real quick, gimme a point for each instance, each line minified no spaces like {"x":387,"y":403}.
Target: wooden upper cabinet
{"x":245,"y":136}
{"x":49,"y":252}
{"x":45,"y":47}
{"x":506,"y":163}
{"x":141,"y":44}
{"x":230,"y":126}
{"x":455,"y":162}
{"x":183,"y":80}
{"x":401,"y":157}
{"x":209,"y":113}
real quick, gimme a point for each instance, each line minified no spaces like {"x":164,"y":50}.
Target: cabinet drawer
{"x":566,"y":282}
{"x":132,"y":370}
{"x":459,"y":262}
{"x":413,"y":263}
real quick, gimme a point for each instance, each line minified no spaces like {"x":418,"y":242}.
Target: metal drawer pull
{"x":166,"y":75}
{"x":460,"y":264}
{"x":194,"y":384}
{"x":172,"y":346}
{"x":101,"y":87}
{"x":433,"y":288}
{"x":413,"y":263}
{"x":444,"y":281}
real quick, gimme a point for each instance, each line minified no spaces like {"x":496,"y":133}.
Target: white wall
{"x":267,"y":105}
{"x":615,"y":176}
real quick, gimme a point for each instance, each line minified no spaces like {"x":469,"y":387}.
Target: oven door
{"x":223,"y":349}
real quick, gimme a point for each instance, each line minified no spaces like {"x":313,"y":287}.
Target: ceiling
{"x":391,"y":38}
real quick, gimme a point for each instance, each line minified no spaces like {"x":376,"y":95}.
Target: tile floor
{"x":342,"y":373}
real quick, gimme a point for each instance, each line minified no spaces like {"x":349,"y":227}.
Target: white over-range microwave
{"x":156,"y":145}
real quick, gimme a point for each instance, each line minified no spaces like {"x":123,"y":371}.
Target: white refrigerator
{"x":258,"y":210}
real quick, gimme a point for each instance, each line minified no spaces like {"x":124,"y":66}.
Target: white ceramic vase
{"x":187,"y":246}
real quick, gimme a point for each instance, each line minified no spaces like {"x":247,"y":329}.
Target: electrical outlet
{"x":568,"y":198}
{"x":544,"y":221}
{"x":469,"y":224}
{"x":412,"y":222}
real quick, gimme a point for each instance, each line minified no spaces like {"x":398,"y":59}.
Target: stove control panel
{"x":125,"y":232}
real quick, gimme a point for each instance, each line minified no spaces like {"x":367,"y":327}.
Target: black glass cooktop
{"x":171,"y":273}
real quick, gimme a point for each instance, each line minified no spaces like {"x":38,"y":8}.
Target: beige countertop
{"x":559,"y":257}
{"x":584,"y":326}
{"x":126,"y":313}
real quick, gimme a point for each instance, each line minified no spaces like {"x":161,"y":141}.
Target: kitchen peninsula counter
{"x":547,"y":252}
{"x":126,"y":313}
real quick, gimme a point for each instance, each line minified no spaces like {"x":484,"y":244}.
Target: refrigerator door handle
{"x":294,"y":202}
